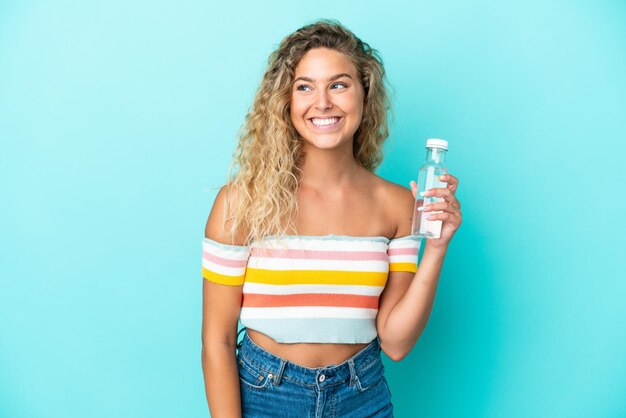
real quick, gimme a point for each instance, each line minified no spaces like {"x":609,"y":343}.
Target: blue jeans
{"x":274,"y":387}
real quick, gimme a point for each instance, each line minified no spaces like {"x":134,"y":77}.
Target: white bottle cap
{"x":436,"y":143}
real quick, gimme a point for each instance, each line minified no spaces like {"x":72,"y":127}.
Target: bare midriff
{"x":306,"y":354}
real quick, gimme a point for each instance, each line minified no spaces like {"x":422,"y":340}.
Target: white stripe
{"x":327,"y":245}
{"x":307,"y":312}
{"x":292,"y":289}
{"x":299,"y":264}
{"x":409,"y":243}
{"x":227,"y":271}
{"x":403,"y":259}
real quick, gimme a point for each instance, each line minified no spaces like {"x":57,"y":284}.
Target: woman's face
{"x":326,"y":99}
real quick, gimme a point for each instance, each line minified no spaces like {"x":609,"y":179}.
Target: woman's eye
{"x":305,"y":87}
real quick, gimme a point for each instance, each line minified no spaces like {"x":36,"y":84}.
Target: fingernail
{"x":421,"y":208}
{"x":423,"y":193}
{"x":441,"y":177}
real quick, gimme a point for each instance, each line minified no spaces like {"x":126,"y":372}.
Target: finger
{"x":453,"y":182}
{"x":438,"y":192}
{"x":450,"y":219}
{"x":446,"y":194}
{"x":449,"y":178}
{"x":446,"y":206}
{"x":413,"y":188}
{"x":454,"y":202}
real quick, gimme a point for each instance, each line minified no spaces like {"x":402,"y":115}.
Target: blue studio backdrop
{"x":117,"y":124}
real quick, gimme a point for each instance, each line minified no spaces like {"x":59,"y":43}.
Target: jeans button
{"x":322,"y":377}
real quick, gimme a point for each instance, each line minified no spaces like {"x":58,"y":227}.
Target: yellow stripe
{"x":362,"y":278}
{"x":410,"y":267}
{"x":222,"y":278}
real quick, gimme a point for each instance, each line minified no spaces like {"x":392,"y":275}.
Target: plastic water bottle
{"x":428,"y":178}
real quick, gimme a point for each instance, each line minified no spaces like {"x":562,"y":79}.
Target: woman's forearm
{"x":409,"y":316}
{"x":221,"y":380}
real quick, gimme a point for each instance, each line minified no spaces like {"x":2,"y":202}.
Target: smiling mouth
{"x":325,"y":123}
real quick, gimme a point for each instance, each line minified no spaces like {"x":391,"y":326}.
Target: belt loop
{"x":279,"y":373}
{"x":353,"y":376}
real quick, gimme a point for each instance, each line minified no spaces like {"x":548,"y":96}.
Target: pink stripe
{"x":316,"y":254}
{"x":402,"y":251}
{"x":224,"y":261}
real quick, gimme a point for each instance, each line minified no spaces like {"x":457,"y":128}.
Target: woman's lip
{"x":325,"y":127}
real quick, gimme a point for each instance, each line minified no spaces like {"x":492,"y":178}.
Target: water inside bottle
{"x":428,"y":178}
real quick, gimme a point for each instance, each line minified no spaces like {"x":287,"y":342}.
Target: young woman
{"x":310,"y":249}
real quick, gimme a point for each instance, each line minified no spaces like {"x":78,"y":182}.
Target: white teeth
{"x":323,"y":122}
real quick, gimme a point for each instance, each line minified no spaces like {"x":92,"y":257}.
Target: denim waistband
{"x":320,"y":376}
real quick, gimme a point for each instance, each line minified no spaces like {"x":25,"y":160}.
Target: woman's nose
{"x":323,"y":101}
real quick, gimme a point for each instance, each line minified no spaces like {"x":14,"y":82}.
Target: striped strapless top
{"x":313,"y":289}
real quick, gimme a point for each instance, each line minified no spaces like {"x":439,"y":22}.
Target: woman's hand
{"x":450,"y":207}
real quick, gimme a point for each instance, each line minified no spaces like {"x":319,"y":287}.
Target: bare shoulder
{"x":221,"y":217}
{"x":399,"y":203}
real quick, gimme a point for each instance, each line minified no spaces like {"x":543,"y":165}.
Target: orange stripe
{"x":310,"y":299}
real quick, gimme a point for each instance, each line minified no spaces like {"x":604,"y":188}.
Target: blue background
{"x":117,"y":123}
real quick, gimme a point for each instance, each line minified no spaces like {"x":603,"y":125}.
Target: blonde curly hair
{"x":264,"y":173}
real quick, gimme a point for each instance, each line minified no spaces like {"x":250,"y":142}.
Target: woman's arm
{"x":221,"y":305}
{"x":219,"y":334}
{"x":406,"y":304}
{"x":407,"y":301}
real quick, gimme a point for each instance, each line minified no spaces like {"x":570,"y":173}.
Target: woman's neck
{"x":324,"y":169}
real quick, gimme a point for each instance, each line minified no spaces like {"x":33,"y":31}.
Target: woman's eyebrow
{"x":335,"y":77}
